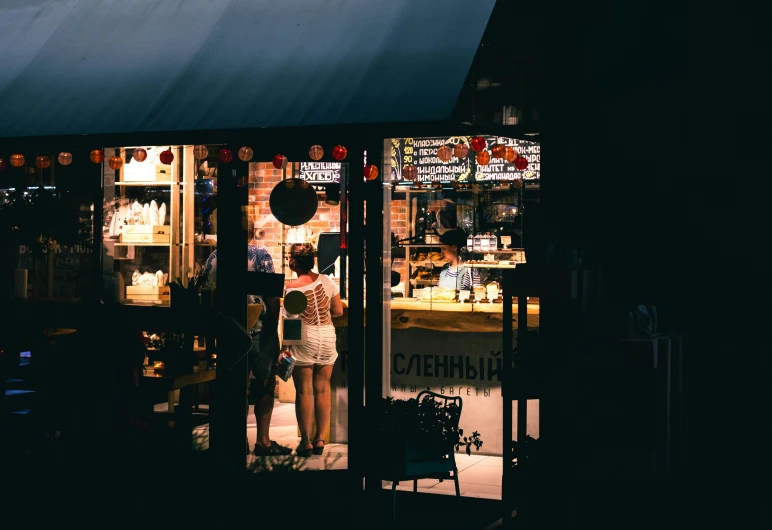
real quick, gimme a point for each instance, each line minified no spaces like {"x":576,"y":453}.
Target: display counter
{"x":451,"y":348}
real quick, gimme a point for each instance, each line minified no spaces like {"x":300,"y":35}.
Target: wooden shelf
{"x":430,"y":281}
{"x":148,"y":183}
{"x":145,"y":244}
{"x":427,"y":263}
{"x":491,"y":266}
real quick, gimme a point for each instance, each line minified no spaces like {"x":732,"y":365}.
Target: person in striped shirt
{"x":454,"y":274}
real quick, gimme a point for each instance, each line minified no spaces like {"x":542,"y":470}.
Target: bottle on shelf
{"x":492,"y":241}
{"x":476,"y":244}
{"x":470,"y":242}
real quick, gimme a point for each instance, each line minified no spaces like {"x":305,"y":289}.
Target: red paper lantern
{"x":498,"y":150}
{"x":115,"y":163}
{"x":316,"y":152}
{"x":245,"y":153}
{"x":65,"y":158}
{"x":2,"y":165}
{"x":444,"y":153}
{"x":139,"y":154}
{"x":97,"y":156}
{"x":483,"y":157}
{"x":478,"y":143}
{"x":17,"y":160}
{"x":460,"y":151}
{"x":339,"y":152}
{"x":280,"y":161}
{"x":225,"y":156}
{"x":510,"y":154}
{"x":370,"y":171}
{"x":42,"y":162}
{"x":521,"y":162}
{"x":200,"y":152}
{"x":410,"y":172}
{"x":166,"y":157}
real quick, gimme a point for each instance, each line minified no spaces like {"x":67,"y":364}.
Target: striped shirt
{"x":459,"y":277}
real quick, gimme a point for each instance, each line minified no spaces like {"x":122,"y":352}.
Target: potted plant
{"x":185,"y":294}
{"x":208,"y":300}
{"x":420,"y":434}
{"x":165,"y":351}
{"x":526,"y":456}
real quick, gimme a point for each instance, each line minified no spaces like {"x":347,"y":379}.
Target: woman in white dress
{"x":315,"y":356}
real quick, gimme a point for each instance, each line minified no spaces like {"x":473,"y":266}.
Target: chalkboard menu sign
{"x":422,"y":153}
{"x":320,"y":173}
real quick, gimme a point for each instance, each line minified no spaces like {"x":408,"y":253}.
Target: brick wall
{"x":263,"y":177}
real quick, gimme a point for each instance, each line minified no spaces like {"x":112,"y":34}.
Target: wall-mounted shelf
{"x":492,"y":265}
{"x":145,"y":244}
{"x":148,"y":183}
{"x":428,"y":263}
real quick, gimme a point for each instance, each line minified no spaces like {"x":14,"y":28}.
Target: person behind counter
{"x":317,"y":354}
{"x":454,"y":274}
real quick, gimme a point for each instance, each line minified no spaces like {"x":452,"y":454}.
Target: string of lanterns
{"x":445,"y":153}
{"x":200,"y":152}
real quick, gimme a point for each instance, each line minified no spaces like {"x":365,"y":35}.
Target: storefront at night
{"x":177,"y":161}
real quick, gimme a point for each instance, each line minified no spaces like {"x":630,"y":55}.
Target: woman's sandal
{"x":318,"y":449}
{"x":304,"y":450}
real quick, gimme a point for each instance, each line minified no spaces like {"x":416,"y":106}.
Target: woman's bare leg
{"x":304,"y":399}
{"x":321,"y":388}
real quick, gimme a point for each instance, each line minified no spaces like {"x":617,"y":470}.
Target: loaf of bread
{"x":439,"y":294}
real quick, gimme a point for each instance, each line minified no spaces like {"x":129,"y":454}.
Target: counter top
{"x":476,"y":317}
{"x":456,"y":307}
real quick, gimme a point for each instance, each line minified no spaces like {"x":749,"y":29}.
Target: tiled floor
{"x":479,"y":475}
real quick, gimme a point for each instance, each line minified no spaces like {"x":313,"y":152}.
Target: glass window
{"x":151,"y":194}
{"x":328,"y":349}
{"x":46,"y":225}
{"x":457,"y":223}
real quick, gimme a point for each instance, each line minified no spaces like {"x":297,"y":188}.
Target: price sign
{"x":422,"y":153}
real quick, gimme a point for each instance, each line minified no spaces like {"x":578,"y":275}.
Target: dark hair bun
{"x":455,"y":237}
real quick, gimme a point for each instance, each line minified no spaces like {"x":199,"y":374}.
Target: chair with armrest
{"x":419,"y":464}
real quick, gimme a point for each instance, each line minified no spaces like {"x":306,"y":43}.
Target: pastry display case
{"x":491,"y":217}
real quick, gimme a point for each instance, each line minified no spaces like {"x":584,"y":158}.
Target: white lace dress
{"x":319,"y":346}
